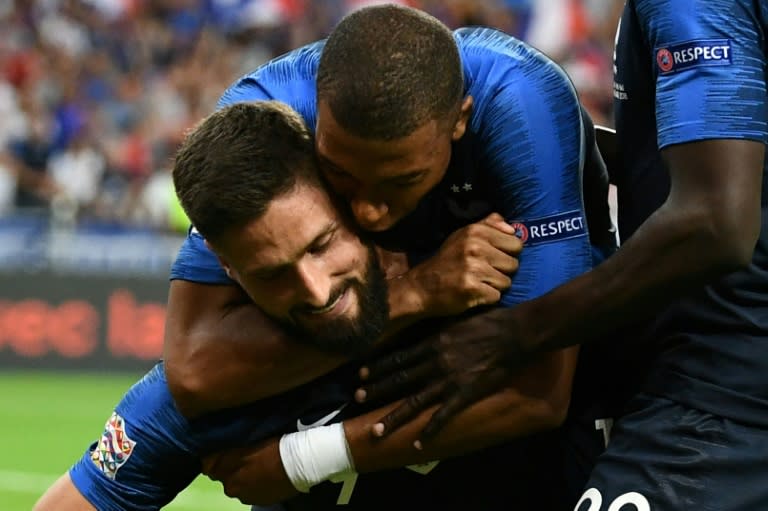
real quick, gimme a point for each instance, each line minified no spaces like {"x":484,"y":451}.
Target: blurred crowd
{"x":95,"y":94}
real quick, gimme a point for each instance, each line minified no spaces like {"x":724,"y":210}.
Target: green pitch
{"x":47,"y":420}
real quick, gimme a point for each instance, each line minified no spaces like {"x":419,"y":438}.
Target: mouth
{"x":334,"y":309}
{"x":328,"y":307}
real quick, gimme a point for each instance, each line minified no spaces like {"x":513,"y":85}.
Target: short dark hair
{"x":387,"y":70}
{"x":237,"y":160}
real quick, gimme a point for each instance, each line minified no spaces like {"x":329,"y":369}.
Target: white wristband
{"x":315,"y":455}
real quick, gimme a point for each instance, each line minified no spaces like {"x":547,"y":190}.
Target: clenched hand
{"x":472,"y":268}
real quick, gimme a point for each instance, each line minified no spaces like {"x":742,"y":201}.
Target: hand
{"x":254,"y":475}
{"x":472,"y":268}
{"x":394,"y":264}
{"x":460,"y":365}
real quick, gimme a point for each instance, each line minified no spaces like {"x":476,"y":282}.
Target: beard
{"x":350,"y":336}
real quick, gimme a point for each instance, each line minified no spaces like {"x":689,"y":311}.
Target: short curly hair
{"x":387,"y":70}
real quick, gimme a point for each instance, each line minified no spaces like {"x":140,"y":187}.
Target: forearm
{"x":536,"y":399}
{"x":251,"y":366}
{"x":229,"y":353}
{"x":707,"y":228}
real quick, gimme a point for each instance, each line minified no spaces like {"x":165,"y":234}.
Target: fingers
{"x":450,"y":408}
{"x":486,"y":294}
{"x":388,"y":364}
{"x":410,"y":408}
{"x":499,"y":281}
{"x":397,"y":384}
{"x":496,"y":221}
{"x":464,"y":396}
{"x":502,"y":261}
{"x":508,"y":243}
{"x":491,"y":247}
{"x":483,"y":234}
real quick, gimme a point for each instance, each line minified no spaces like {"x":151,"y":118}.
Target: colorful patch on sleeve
{"x":548,"y":229}
{"x":113,"y":448}
{"x":702,"y":52}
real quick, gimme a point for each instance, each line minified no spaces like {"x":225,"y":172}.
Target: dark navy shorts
{"x":666,"y":457}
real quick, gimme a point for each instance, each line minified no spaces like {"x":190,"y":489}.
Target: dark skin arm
{"x":210,"y":327}
{"x":210,"y":351}
{"x":537,"y":399}
{"x":708,"y":227}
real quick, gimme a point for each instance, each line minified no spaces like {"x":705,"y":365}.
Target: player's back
{"x":673,"y":71}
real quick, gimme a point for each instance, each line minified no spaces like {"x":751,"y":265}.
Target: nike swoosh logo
{"x":322,"y":421}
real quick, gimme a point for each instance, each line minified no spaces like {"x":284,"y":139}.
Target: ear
{"x":461,"y":123}
{"x":222,"y":261}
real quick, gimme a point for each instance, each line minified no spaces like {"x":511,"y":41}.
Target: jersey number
{"x":348,"y":483}
{"x":595,"y":499}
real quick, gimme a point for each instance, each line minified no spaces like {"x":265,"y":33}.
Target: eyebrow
{"x":402,"y":177}
{"x":265,"y":270}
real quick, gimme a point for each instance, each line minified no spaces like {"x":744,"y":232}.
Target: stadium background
{"x":94,"y":97}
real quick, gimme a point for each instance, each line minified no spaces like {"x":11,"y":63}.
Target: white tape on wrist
{"x":315,"y":455}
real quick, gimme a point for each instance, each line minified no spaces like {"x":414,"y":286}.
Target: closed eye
{"x":322,"y":244}
{"x":407,"y":180}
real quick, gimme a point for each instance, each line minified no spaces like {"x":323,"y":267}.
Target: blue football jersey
{"x":687,"y":71}
{"x":522,"y":156}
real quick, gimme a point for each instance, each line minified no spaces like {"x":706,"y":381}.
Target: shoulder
{"x":150,"y":400}
{"x":497,"y":65}
{"x":289,"y":78}
{"x":196,"y":262}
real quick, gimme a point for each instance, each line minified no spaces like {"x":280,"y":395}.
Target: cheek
{"x":351,"y":256}
{"x":274,"y":300}
{"x":404,"y":201}
{"x":342,"y":186}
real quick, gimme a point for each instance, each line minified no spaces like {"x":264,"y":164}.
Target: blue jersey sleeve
{"x":196,"y":262}
{"x":531,"y":134}
{"x":709,"y":60}
{"x":144,"y":456}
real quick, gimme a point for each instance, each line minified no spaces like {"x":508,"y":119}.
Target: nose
{"x":315,"y":284}
{"x":369,"y":214}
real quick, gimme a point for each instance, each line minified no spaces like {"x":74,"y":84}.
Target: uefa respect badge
{"x":560,"y":226}
{"x":678,"y":57}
